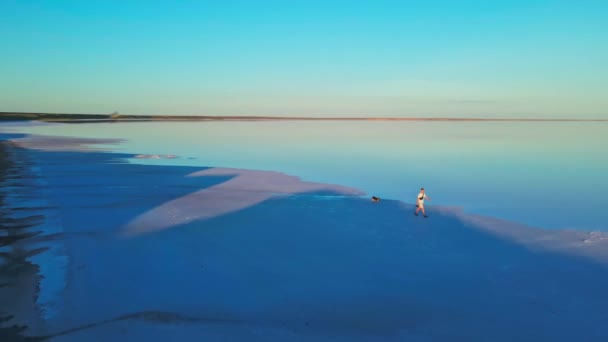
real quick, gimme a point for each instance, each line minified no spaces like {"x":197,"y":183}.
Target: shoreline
{"x":21,"y":225}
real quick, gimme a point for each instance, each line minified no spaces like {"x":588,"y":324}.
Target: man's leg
{"x":417,"y":210}
{"x":423,"y":212}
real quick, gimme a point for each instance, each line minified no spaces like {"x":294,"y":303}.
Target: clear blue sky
{"x":515,"y":58}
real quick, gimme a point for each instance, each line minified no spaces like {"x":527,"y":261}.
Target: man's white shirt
{"x":420,"y":199}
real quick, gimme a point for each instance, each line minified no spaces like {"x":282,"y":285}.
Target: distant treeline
{"x":81,"y":118}
{"x":62,"y":117}
{"x":11,"y":116}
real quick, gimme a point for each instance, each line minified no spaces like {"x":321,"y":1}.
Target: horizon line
{"x":71,"y":117}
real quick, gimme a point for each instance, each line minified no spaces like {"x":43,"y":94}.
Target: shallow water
{"x":547,"y":174}
{"x":148,"y":252}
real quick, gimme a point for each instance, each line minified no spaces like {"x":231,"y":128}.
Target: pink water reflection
{"x":247,"y":188}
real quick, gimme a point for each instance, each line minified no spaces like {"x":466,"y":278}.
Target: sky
{"x":513,"y":59}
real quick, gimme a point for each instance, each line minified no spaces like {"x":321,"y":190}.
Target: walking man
{"x":420,"y":202}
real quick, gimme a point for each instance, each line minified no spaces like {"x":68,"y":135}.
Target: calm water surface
{"x":547,"y":174}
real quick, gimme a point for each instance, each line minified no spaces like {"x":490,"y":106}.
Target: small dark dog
{"x":375,"y":199}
